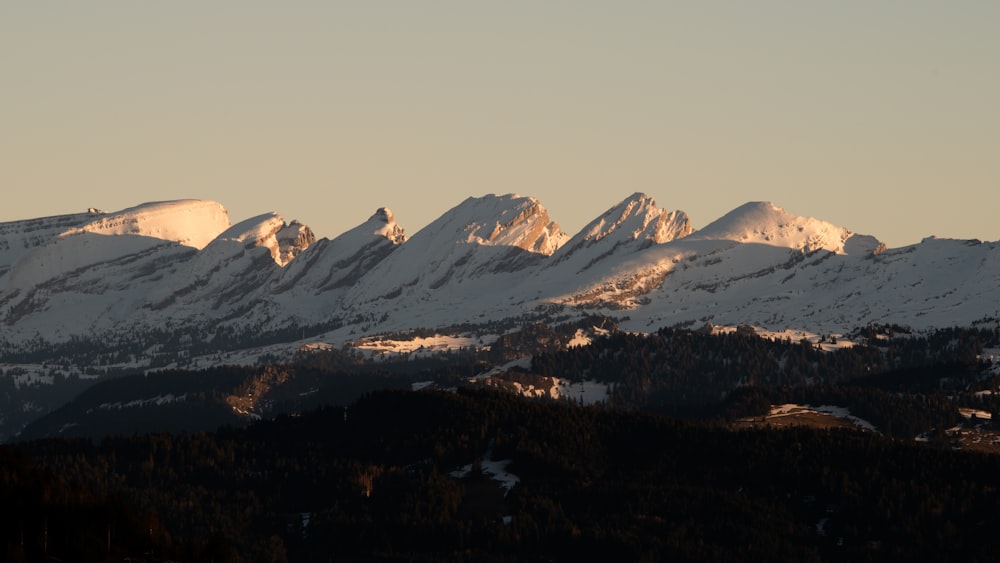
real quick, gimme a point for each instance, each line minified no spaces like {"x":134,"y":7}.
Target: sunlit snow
{"x":789,"y":409}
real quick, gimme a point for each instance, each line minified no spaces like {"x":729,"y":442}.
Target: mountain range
{"x":181,"y":266}
{"x":90,"y":296}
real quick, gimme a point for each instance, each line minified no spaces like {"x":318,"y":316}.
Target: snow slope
{"x":936,"y":283}
{"x":339,"y":263}
{"x":311,"y":287}
{"x":18,"y":238}
{"x":109,"y":237}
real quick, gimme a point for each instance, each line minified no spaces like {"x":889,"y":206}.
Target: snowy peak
{"x":637,"y":218}
{"x":507,"y":220}
{"x":635,"y":222}
{"x":379,"y":228}
{"x":284,"y":242}
{"x":385,"y":225}
{"x":766,"y":223}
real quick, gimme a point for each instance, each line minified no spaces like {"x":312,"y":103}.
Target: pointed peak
{"x":633,"y":224}
{"x":382,"y":223}
{"x":635,"y":217}
{"x":383,"y":214}
{"x":639,"y":197}
{"x":389,"y":229}
{"x":506,"y":220}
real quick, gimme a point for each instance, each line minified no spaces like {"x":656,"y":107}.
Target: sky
{"x":879,"y":116}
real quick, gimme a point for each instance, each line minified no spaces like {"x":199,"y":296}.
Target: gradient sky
{"x":879,"y":116}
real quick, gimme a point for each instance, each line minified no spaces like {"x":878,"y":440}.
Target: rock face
{"x":292,"y":240}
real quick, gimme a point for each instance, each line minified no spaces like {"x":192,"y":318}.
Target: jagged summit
{"x":506,"y":220}
{"x":763,"y":222}
{"x":283,"y":241}
{"x":637,"y":217}
{"x":385,"y":225}
{"x":636,"y":222}
{"x":293,"y":239}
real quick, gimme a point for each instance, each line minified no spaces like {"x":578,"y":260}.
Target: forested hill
{"x":488,"y":476}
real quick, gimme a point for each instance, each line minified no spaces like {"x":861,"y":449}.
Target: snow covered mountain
{"x":176,"y":284}
{"x":179,"y":271}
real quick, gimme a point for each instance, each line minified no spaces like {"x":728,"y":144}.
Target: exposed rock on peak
{"x":386,"y":225}
{"x":508,"y":220}
{"x":269,"y":230}
{"x":292,"y":240}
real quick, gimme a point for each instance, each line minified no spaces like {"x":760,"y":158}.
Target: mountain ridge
{"x":487,"y":259}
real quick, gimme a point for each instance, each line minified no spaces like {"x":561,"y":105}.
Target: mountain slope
{"x":311,"y":287}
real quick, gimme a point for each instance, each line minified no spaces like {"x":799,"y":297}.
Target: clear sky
{"x":879,"y":116}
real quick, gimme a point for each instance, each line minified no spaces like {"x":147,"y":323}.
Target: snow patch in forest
{"x":789,"y":409}
{"x":579,"y":339}
{"x":580,"y":392}
{"x":585,"y":392}
{"x":378,"y":347}
{"x":495,"y":469}
{"x":980,"y":414}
